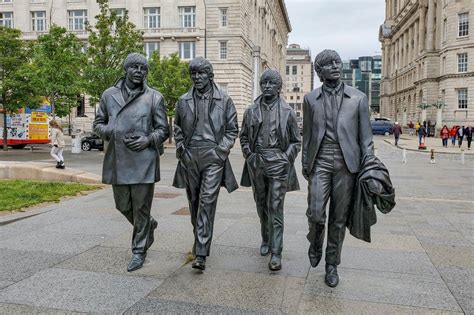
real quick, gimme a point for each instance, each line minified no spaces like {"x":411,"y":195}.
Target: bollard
{"x":404,"y":157}
{"x":462,"y":156}
{"x":433,"y":161}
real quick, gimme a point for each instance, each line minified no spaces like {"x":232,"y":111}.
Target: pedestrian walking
{"x":421,"y":134}
{"x":411,"y":128}
{"x":460,"y":133}
{"x":444,"y":133}
{"x":397,"y":131}
{"x":57,"y":140}
{"x":468,"y":134}
{"x":452,"y":134}
{"x":417,"y":126}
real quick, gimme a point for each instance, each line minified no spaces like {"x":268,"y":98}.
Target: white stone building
{"x":240,"y":37}
{"x":428,"y":58}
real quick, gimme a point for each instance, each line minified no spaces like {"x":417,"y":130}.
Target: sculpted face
{"x":270,"y":87}
{"x":136,"y":73}
{"x":331,"y":71}
{"x":201,"y":79}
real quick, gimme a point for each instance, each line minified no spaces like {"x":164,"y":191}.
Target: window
{"x":445,"y":30}
{"x":223,"y":17}
{"x":187,"y":16}
{"x":150,"y":48}
{"x":6,"y":19}
{"x":151,"y":18}
{"x":5,"y":1}
{"x":187,"y":50}
{"x":120,"y":12}
{"x":287,"y":70}
{"x":223,"y":50}
{"x":297,"y":97}
{"x":463,"y":24}
{"x":462,"y":98}
{"x":77,"y":20}
{"x":294,"y":70}
{"x":291,"y":97}
{"x":38,"y":21}
{"x":462,"y":62}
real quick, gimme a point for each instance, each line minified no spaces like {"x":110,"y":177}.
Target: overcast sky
{"x":348,"y":26}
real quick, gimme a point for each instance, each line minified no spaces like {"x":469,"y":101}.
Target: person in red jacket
{"x":444,"y":133}
{"x":452,"y":135}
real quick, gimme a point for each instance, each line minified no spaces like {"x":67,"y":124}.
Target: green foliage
{"x":17,"y":194}
{"x":59,"y":61}
{"x":111,"y":39}
{"x":170,"y":76}
{"x":18,"y":79}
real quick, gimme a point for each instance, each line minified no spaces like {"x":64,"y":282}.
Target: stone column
{"x":421,"y":32}
{"x":410,"y":38}
{"x":430,"y":26}
{"x":415,"y":37}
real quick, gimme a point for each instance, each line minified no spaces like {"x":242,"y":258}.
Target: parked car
{"x":381,"y":127}
{"x":92,"y":142}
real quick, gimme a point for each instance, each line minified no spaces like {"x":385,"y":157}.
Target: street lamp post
{"x":205,"y":28}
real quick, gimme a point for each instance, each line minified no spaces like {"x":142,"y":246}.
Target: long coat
{"x":353,"y":128}
{"x":287,"y":133}
{"x":145,"y":113}
{"x":223,"y":121}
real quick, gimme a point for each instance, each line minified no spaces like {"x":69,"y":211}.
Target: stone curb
{"x":427,"y":151}
{"x":45,"y":172}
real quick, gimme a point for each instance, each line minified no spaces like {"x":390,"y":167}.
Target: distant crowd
{"x":455,"y":133}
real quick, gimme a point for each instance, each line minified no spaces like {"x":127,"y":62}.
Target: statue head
{"x":328,"y":66}
{"x":270,"y":84}
{"x":202,"y":73}
{"x":136,"y":69}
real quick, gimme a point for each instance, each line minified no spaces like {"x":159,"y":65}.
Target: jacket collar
{"x":217,"y":95}
{"x":347,"y":91}
{"x":117,"y":94}
{"x":257,"y":112}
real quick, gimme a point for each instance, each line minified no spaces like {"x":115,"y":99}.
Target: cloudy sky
{"x":348,"y":26}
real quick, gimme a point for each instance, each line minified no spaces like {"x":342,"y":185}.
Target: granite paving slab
{"x":225,"y":288}
{"x":451,"y":256}
{"x":460,"y":281}
{"x":387,"y":260}
{"x":19,"y":309}
{"x":114,"y":260}
{"x":80,"y":291}
{"x":247,"y":259}
{"x":160,"y":306}
{"x":386,"y":241}
{"x":427,"y":291}
{"x":327,"y":305}
{"x":5,"y":283}
{"x":17,"y":265}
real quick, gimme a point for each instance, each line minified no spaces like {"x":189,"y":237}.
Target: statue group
{"x":337,"y":138}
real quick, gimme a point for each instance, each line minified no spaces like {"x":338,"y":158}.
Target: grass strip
{"x":17,"y":194}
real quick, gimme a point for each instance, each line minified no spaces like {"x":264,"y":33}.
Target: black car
{"x":92,"y":142}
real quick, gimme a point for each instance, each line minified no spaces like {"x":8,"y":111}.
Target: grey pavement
{"x":70,"y":257}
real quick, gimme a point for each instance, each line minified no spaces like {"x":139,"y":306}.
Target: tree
{"x":59,"y":61}
{"x":171,"y":77}
{"x":18,"y":79}
{"x":110,"y":41}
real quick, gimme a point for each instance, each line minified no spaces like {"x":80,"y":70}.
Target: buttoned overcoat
{"x":143,"y":114}
{"x":287,"y":133}
{"x":223,"y":121}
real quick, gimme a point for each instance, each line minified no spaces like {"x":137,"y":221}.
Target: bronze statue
{"x":270,"y":142}
{"x":132,"y":118}
{"x":205,"y":130}
{"x":336,"y":138}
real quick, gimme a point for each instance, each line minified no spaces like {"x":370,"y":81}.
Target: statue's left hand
{"x":137,"y":144}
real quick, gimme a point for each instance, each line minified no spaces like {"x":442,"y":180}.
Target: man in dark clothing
{"x":336,"y":136}
{"x":468,"y":134}
{"x":270,"y":142}
{"x":397,"y":131}
{"x":205,"y":130}
{"x":132,"y":118}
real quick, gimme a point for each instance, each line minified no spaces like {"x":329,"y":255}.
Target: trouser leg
{"x":60,"y":154}
{"x":54,"y":154}
{"x":134,"y":202}
{"x":276,"y":200}
{"x":260,"y":190}
{"x":469,"y":140}
{"x":341,"y":200}
{"x":318,"y":194}
{"x":193,"y":186}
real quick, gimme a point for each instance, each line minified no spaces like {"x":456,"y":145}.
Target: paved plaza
{"x":71,"y":257}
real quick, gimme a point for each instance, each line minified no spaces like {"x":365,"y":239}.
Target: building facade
{"x":240,"y":37}
{"x":299,"y":77}
{"x":428,"y":61}
{"x":364,"y":74}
